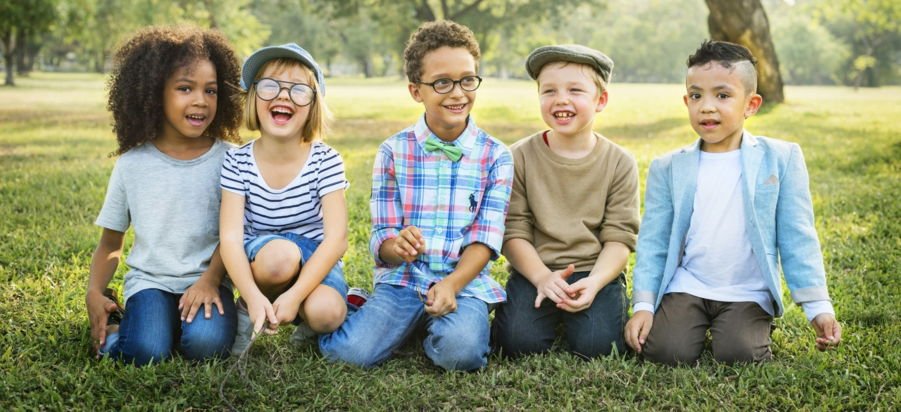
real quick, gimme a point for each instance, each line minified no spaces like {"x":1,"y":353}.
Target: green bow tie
{"x":453,"y":152}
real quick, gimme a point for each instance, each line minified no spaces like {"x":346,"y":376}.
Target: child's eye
{"x":212,"y":91}
{"x":548,"y":91}
{"x":576,"y":90}
{"x":694,"y":96}
{"x":722,"y":96}
{"x":185,"y":89}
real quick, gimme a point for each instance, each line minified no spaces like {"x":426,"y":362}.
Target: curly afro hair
{"x":142,"y":65}
{"x":435,"y":35}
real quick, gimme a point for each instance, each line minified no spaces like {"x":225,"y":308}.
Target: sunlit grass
{"x":54,"y":143}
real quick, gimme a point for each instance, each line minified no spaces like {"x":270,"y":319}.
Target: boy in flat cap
{"x":573,"y":217}
{"x":721,"y":216}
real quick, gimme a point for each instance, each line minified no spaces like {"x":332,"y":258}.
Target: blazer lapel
{"x":751,"y":157}
{"x":685,"y":183}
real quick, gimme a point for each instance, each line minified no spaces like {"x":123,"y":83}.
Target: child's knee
{"x":336,"y":347}
{"x":207,"y":345}
{"x":276,"y":265}
{"x":740,"y":350}
{"x":513,"y":344}
{"x":326,"y":318}
{"x":596,"y":348}
{"x":466,"y":352}
{"x":145,"y":352}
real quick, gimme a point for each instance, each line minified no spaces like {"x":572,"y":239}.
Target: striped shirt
{"x":454,"y":204}
{"x":296,"y":208}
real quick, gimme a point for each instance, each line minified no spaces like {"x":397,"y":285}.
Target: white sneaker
{"x":244,"y":332}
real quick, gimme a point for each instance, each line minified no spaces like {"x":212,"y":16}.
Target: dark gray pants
{"x":739,"y":331}
{"x":520,"y":329}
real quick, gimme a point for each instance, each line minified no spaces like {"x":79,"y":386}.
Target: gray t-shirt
{"x":174,"y":208}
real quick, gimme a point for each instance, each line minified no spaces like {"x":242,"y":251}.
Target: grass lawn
{"x":54,"y":143}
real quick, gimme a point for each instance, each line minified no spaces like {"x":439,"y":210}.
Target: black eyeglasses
{"x":444,"y":86}
{"x":301,"y":94}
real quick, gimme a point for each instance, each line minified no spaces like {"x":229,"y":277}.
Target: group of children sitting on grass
{"x":562,"y":205}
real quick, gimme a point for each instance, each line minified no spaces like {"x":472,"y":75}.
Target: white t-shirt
{"x":173,"y":206}
{"x":296,"y":208}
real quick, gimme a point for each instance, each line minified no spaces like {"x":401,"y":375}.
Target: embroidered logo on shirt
{"x":772,"y":180}
{"x":472,"y":202}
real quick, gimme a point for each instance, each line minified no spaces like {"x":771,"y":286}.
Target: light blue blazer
{"x":778,"y":213}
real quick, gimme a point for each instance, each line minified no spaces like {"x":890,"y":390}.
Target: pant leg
{"x":459,"y":340}
{"x":679,"y":330}
{"x":519,"y":328}
{"x":740,"y":332}
{"x":598,"y":329}
{"x":149,"y":328}
{"x":207,"y":338}
{"x":371,"y":334}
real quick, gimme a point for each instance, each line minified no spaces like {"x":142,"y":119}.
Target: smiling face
{"x":189,"y":101}
{"x":718,"y":103}
{"x":445,"y":114}
{"x":281,"y":117}
{"x":569,"y":99}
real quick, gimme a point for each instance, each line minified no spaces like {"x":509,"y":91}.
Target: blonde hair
{"x":317,"y":121}
{"x":592,"y":73}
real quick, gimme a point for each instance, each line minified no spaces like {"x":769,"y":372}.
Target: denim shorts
{"x":335,"y":277}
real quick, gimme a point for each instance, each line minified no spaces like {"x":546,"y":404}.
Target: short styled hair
{"x":730,"y":56}
{"x":435,"y":35}
{"x":317,"y":121}
{"x":143,"y":64}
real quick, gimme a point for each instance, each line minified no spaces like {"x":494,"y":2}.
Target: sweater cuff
{"x":642,"y":306}
{"x":810,"y":294}
{"x":817,"y":307}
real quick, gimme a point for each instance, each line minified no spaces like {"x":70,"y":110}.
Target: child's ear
{"x":753,"y":106}
{"x":414,"y":92}
{"x":602,"y":102}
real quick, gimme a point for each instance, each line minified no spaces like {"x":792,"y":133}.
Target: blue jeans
{"x":152,"y":329}
{"x":520,"y":329}
{"x":335,"y":277}
{"x":456,"y":341}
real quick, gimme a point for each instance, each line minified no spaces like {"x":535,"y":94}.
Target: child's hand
{"x":441,"y":299}
{"x":261,"y":311}
{"x":582,"y":295}
{"x":637,"y":329}
{"x":829,"y":331}
{"x":554,"y":286}
{"x":201,"y":293}
{"x":286,"y":307}
{"x":99,"y":308}
{"x":409,"y":243}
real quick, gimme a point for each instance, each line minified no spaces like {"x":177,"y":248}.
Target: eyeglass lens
{"x":301,"y":94}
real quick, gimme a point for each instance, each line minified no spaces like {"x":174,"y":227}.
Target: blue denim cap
{"x":571,"y":53}
{"x":289,"y":51}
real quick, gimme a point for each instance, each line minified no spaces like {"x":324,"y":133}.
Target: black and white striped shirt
{"x":296,"y":208}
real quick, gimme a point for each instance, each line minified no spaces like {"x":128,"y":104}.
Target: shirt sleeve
{"x":331,"y":173}
{"x":114,"y":214}
{"x":384,"y":202}
{"x":230,"y":177}
{"x":520,"y":221}
{"x":653,"y":240}
{"x":621,"y":219}
{"x":488,"y":226}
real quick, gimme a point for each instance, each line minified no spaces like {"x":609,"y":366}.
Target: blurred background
{"x":800,"y":42}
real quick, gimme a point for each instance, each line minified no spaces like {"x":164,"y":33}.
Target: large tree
{"x":18,"y":23}
{"x":745,"y":22}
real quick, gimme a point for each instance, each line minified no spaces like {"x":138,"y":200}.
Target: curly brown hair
{"x":435,"y":35}
{"x":142,"y":65}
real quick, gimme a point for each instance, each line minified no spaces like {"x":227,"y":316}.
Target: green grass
{"x":54,"y":144}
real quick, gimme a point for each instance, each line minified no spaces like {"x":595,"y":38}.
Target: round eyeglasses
{"x":301,"y":94}
{"x":444,"y":86}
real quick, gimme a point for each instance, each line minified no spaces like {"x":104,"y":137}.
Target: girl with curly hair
{"x":171,"y":97}
{"x":283,"y":216}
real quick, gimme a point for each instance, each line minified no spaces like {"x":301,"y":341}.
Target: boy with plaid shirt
{"x":439,"y":199}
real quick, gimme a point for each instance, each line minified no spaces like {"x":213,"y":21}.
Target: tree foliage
{"x":19,"y":23}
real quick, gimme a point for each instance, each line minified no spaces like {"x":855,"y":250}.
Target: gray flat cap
{"x":573,"y":53}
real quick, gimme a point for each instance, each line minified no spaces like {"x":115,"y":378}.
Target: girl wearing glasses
{"x":283,"y":220}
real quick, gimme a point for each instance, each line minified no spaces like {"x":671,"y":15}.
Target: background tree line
{"x":851,"y":42}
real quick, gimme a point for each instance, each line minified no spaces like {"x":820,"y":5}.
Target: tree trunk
{"x":9,"y":56}
{"x":745,"y":22}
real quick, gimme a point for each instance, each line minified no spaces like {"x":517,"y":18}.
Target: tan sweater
{"x":567,"y":208}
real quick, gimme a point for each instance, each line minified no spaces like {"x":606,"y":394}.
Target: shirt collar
{"x":465,"y":141}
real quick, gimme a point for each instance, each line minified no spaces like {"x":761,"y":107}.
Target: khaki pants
{"x":739,"y":331}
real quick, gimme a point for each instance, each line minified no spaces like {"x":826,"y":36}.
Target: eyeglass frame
{"x":280,"y":88}
{"x":454,"y":84}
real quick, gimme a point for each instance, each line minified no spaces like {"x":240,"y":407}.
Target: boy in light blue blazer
{"x":720,"y":215}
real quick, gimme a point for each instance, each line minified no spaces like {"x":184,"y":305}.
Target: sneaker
{"x":302,"y":333}
{"x":244,"y":332}
{"x":357,"y":297}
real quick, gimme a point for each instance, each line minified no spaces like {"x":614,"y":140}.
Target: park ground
{"x":55,"y":141}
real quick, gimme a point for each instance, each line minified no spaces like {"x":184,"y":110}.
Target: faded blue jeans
{"x":520,"y":329}
{"x":456,"y":341}
{"x":152,"y":329}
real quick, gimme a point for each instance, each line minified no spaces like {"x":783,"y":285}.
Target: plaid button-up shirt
{"x":454,"y":204}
